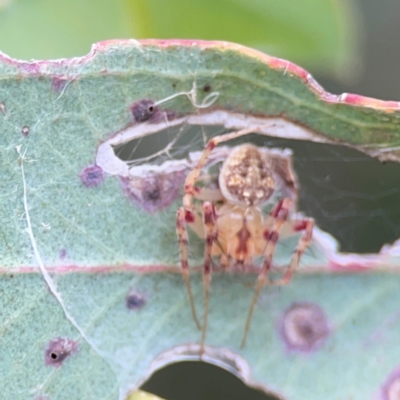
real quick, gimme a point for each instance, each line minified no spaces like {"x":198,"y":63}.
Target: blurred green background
{"x":348,"y":46}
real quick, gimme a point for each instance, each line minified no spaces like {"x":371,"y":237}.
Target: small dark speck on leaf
{"x":206,"y":88}
{"x":3,"y":107}
{"x":92,"y":176}
{"x":11,"y":276}
{"x":304,"y":327}
{"x":152,"y":194}
{"x":135,"y":300}
{"x":58,"y":350}
{"x":63,"y":254}
{"x":143,"y":110}
{"x":25,"y":130}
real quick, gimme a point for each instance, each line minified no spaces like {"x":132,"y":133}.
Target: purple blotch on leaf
{"x":304,"y":327}
{"x":25,"y":130}
{"x":92,"y":176}
{"x":58,"y":350}
{"x":58,"y":84}
{"x":154,"y":191}
{"x":206,"y":88}
{"x":391,"y":388}
{"x":63,"y":254}
{"x":143,"y":110}
{"x":31,"y":67}
{"x":135,"y":300}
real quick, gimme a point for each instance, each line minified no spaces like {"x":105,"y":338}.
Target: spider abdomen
{"x":246,"y":177}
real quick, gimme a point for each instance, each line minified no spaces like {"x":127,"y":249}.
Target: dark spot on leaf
{"x":92,"y":176}
{"x":304,"y":327}
{"x":25,"y":130}
{"x":154,"y":191}
{"x":58,"y":350}
{"x":153,"y":194}
{"x":206,"y":88}
{"x":143,"y":110}
{"x":63,"y":254}
{"x":135,"y":300}
{"x":11,"y":276}
{"x":174,"y":85}
{"x":391,"y":388}
{"x":3,"y":107}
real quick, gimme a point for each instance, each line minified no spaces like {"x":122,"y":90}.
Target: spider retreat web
{"x":351,"y":196}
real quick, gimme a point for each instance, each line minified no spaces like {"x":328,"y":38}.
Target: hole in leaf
{"x":143,"y":110}
{"x":350,"y":195}
{"x":58,"y":350}
{"x":199,"y":381}
{"x":168,"y":144}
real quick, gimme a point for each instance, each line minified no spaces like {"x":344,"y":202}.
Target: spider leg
{"x":184,"y":255}
{"x":209,"y":224}
{"x":279,"y":213}
{"x":306,"y":226}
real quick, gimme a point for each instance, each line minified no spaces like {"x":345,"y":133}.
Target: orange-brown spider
{"x":231,"y":219}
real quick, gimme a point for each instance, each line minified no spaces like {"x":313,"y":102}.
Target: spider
{"x":231,"y":220}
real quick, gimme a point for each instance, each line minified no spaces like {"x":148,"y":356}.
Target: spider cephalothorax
{"x":231,"y":218}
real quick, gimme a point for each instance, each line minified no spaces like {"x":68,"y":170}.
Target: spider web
{"x":352,"y":196}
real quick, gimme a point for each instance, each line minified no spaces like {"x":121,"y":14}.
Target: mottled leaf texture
{"x":94,"y":152}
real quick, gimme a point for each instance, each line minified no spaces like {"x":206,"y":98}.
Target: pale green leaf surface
{"x":99,"y":246}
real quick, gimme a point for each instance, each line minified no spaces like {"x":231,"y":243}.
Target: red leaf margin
{"x":40,"y":67}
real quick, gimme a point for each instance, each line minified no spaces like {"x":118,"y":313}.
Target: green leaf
{"x":91,"y":296}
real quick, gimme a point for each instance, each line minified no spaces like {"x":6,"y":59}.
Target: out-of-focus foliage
{"x":318,"y":34}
